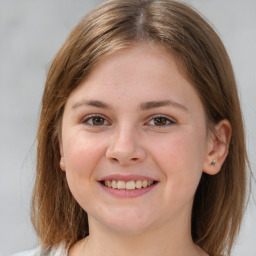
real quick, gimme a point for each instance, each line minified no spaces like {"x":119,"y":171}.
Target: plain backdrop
{"x":31,"y":32}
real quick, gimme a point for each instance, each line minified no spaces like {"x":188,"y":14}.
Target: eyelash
{"x":168,"y":121}
{"x":88,"y":118}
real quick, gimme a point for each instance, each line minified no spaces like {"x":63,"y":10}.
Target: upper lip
{"x":127,"y":177}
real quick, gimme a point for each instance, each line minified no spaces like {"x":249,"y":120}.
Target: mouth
{"x":128,"y":185}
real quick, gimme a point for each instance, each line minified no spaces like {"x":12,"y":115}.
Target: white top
{"x":60,"y":251}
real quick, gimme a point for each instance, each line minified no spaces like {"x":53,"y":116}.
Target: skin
{"x":126,"y":139}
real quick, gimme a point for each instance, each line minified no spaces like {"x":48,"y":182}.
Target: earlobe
{"x":62,"y":162}
{"x":217,"y":147}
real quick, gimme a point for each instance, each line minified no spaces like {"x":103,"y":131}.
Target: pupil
{"x":98,"y":121}
{"x":160,"y":121}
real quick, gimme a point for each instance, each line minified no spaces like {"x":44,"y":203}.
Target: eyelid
{"x":170,"y":119}
{"x":88,"y":117}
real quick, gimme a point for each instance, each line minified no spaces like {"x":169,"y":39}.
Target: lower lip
{"x":126,"y":193}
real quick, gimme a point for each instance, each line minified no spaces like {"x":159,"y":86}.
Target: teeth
{"x":121,"y":184}
{"x":109,"y":183}
{"x":150,"y":182}
{"x":138,"y":184}
{"x":114,"y":184}
{"x":129,"y":185}
{"x":144,"y":183}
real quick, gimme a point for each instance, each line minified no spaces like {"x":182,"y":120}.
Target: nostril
{"x":123,"y":161}
{"x":114,"y":159}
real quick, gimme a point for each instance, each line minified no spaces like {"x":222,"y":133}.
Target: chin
{"x":126,"y":222}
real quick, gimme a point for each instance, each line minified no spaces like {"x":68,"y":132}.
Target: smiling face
{"x":134,"y":141}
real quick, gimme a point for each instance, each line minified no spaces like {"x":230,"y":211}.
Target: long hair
{"x":219,"y":200}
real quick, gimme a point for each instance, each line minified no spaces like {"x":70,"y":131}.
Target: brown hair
{"x":116,"y":24}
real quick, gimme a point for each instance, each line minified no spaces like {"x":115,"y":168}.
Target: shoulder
{"x":33,"y":252}
{"x":60,"y":251}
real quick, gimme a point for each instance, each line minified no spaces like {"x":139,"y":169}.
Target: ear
{"x":217,"y":147}
{"x":62,"y":162}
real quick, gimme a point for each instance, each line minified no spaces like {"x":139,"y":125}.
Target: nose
{"x":126,"y":148}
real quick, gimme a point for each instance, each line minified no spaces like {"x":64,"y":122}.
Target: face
{"x":134,"y":141}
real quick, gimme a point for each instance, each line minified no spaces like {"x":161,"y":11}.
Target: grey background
{"x":31,"y":32}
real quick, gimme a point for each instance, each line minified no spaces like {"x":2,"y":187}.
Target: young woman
{"x":141,"y":146}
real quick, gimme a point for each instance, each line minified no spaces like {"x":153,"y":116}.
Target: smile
{"x":128,"y":185}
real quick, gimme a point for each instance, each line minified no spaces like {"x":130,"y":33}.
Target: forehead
{"x":142,"y":72}
{"x":145,"y":59}
{"x":151,"y":54}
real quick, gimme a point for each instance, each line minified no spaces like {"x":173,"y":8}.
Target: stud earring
{"x":213,"y":162}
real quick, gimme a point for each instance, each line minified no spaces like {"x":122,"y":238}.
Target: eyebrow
{"x":142,"y":106}
{"x":93,"y":103}
{"x":162,"y":103}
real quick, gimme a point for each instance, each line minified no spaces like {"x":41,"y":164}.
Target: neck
{"x":160,"y":240}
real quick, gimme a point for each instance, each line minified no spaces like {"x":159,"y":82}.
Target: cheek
{"x":180,"y":158}
{"x":180,"y":149}
{"x":81,"y":154}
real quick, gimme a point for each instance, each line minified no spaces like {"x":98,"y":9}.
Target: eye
{"x":161,"y":121}
{"x":95,"y":120}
